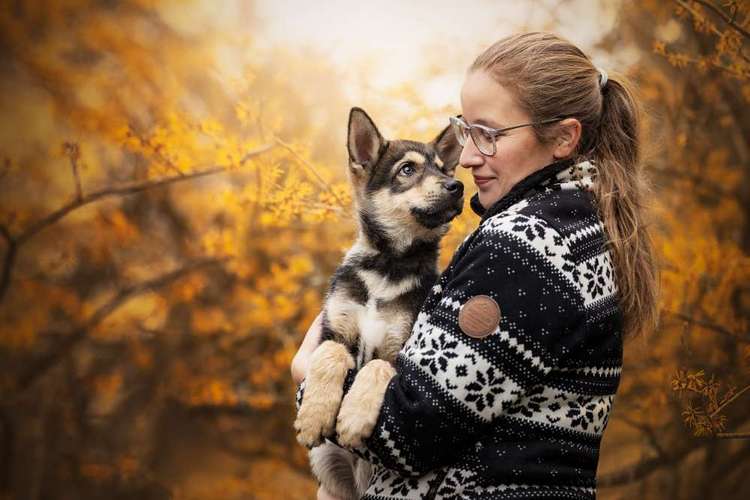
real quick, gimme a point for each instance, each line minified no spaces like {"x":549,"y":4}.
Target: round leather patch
{"x":479,"y":316}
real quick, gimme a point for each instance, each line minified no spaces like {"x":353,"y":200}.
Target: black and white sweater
{"x":519,"y":413}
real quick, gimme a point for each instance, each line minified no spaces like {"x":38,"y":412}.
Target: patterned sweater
{"x":520,"y":412}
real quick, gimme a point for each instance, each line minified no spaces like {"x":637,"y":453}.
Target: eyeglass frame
{"x":494,"y":132}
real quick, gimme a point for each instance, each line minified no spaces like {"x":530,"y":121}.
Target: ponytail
{"x":551,"y":77}
{"x":621,"y":193}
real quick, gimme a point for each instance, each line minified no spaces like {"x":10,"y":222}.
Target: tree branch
{"x":648,"y":431}
{"x":643,"y":468}
{"x":75,"y":336}
{"x":705,"y":324}
{"x":733,"y":435}
{"x":698,"y":15}
{"x":729,"y":20}
{"x":730,"y":400}
{"x":74,"y":153}
{"x":309,"y":166}
{"x":81,"y":201}
{"x":10,"y":257}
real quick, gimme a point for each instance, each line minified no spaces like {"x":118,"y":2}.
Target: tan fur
{"x":342,"y":314}
{"x":381,"y":287}
{"x":324,"y":390}
{"x":393,"y":213}
{"x":361,"y":406}
{"x":412,"y":156}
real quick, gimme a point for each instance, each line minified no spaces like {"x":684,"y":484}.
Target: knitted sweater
{"x":520,"y":412}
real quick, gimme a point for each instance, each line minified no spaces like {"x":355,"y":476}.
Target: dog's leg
{"x":361,"y":406}
{"x":334,"y":468}
{"x":324,"y":387}
{"x":362,"y":475}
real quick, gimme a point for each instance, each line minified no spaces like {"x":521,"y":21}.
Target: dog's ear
{"x":365,"y":142}
{"x":447,"y":147}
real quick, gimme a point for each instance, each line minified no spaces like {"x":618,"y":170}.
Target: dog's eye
{"x":407,"y":169}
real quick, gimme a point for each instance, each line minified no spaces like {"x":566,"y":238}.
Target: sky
{"x":392,"y":37}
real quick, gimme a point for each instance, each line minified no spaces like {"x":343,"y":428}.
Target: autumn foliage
{"x":173,"y":201}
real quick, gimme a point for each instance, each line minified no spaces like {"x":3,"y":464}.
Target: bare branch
{"x":10,"y":257}
{"x":648,"y":431}
{"x":733,"y":435}
{"x":75,"y":336}
{"x":705,"y":324}
{"x":730,"y":400}
{"x":6,"y":167}
{"x":79,"y":202}
{"x":726,"y":18}
{"x":122,"y":190}
{"x":642,"y":469}
{"x":714,"y":29}
{"x":74,"y":153}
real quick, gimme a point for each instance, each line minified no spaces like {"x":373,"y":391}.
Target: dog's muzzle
{"x":449,"y":207}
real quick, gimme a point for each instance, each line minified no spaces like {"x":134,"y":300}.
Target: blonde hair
{"x":550,"y":77}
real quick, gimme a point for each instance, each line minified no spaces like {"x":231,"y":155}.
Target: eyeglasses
{"x":484,"y":137}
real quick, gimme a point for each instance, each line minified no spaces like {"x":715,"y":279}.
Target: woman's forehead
{"x":485,"y":101}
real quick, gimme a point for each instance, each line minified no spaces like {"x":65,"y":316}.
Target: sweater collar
{"x":562,"y":174}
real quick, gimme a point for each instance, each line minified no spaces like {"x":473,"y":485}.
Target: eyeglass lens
{"x":482,"y":139}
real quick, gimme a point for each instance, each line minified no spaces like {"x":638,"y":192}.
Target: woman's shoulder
{"x":552,"y":218}
{"x":559,"y":231}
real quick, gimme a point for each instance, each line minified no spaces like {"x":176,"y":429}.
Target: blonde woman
{"x":504,"y":389}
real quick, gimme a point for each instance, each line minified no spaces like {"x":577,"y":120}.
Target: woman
{"x":506,"y":384}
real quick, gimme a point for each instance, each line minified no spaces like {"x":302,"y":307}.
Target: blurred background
{"x":173,"y":201}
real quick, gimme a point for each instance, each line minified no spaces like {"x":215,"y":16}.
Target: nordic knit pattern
{"x":520,"y":413}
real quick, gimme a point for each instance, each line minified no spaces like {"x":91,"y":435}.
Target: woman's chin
{"x":488,"y":197}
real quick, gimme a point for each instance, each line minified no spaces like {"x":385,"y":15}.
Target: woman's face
{"x":519,"y":153}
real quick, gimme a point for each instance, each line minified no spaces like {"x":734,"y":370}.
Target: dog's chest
{"x":384,"y":321}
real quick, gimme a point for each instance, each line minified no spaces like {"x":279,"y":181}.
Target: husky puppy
{"x":405,"y":198}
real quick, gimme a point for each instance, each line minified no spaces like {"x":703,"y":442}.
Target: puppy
{"x":405,"y":198}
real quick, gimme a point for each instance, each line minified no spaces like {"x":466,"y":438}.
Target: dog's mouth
{"x":440,"y":213}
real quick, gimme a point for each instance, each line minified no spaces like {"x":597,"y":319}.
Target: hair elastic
{"x":602,"y":77}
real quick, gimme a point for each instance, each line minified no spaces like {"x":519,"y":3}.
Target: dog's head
{"x":402,"y":184}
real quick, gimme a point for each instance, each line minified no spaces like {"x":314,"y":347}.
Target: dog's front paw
{"x":361,"y":406}
{"x":316,"y":417}
{"x":315,"y":420}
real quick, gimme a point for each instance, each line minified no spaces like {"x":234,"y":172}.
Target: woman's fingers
{"x":309,"y":343}
{"x":324,"y":495}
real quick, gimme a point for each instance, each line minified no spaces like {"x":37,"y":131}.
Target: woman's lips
{"x":481,"y":181}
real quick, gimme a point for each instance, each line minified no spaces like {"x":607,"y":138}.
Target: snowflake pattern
{"x":436,"y":352}
{"x":597,"y":277}
{"x":487,"y":387}
{"x":386,"y":483}
{"x":569,"y":410}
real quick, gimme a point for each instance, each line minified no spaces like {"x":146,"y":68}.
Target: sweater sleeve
{"x":450,"y":387}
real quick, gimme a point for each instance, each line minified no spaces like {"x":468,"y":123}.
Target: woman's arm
{"x":309,"y":343}
{"x":449,"y":388}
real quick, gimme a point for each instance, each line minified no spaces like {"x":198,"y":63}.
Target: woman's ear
{"x":567,"y":139}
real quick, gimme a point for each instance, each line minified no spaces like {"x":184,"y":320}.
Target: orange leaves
{"x":124,"y":467}
{"x":727,"y":54}
{"x":210,"y":320}
{"x":703,"y":413}
{"x":187,"y":288}
{"x":29,"y":309}
{"x":147,"y":309}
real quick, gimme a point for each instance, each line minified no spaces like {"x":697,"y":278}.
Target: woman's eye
{"x":407,"y":169}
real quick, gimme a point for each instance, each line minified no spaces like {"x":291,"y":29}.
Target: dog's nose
{"x":454,"y":187}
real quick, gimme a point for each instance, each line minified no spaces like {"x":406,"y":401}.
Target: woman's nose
{"x":470,"y":155}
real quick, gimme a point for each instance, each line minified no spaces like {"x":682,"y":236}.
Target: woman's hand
{"x":324,"y":495}
{"x":311,"y":341}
